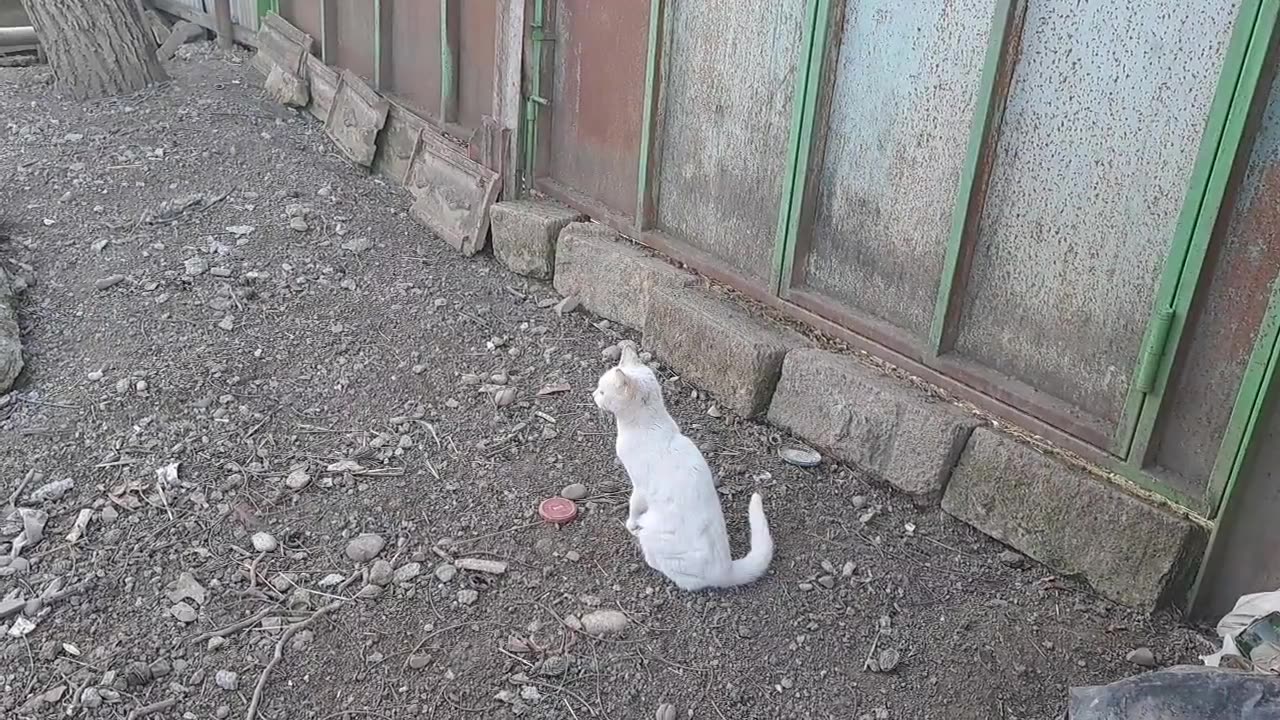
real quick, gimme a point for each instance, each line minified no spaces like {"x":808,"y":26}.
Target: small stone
{"x":613,"y":353}
{"x":745,"y":632}
{"x":222,"y":712}
{"x":889,"y":660}
{"x":160,"y":668}
{"x":90,"y":698}
{"x":406,"y":573}
{"x":298,"y":478}
{"x":715,"y":411}
{"x":109,"y":281}
{"x":381,"y":572}
{"x":572,"y":556}
{"x":226,"y":680}
{"x":183,"y":612}
{"x":1142,"y":657}
{"x":576,"y":491}
{"x":505,"y":397}
{"x":445,"y":572}
{"x":604,"y":622}
{"x":849,"y":569}
{"x":467,"y":597}
{"x":806,"y":586}
{"x":417,"y":662}
{"x":264,"y":542}
{"x":365,"y":547}
{"x":331,"y":579}
{"x":227,"y":323}
{"x":370,"y":592}
{"x":666,"y":711}
{"x":297,"y":224}
{"x":195,"y":266}
{"x":95,"y":375}
{"x":188,"y":588}
{"x":1012,"y":559}
{"x":800,"y":456}
{"x":827,"y":581}
{"x":215,"y":643}
{"x":555,"y":666}
{"x":567,"y":305}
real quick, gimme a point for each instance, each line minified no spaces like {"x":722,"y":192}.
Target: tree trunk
{"x":96,"y":47}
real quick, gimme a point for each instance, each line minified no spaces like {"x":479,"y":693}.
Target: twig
{"x":256,"y":700}
{"x":495,"y":534}
{"x":866,"y":664}
{"x":22,"y":484}
{"x":234,"y":627}
{"x":153,"y":708}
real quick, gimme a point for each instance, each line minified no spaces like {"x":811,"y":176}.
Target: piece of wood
{"x":283,"y":45}
{"x":489,"y":146}
{"x":357,"y":114}
{"x":183,"y":32}
{"x":453,"y":192}
{"x":181,"y":10}
{"x":223,"y":25}
{"x":322,"y":81}
{"x":508,"y":54}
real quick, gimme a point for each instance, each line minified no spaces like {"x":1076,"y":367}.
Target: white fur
{"x":675,"y":509}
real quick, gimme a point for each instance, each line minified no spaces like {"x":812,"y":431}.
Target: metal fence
{"x":1059,"y":210}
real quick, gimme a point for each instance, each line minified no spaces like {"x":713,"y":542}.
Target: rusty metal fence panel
{"x":353,"y":37}
{"x":412,"y":45}
{"x":729,"y":83}
{"x":1229,"y":309}
{"x":1098,"y":141}
{"x":903,"y":95}
{"x":475,"y":60}
{"x":597,"y":90}
{"x":307,"y":16}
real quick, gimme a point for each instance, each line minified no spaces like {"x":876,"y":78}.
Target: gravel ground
{"x":208,"y":284}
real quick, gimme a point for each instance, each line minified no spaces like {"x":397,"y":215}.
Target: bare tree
{"x":96,"y":47}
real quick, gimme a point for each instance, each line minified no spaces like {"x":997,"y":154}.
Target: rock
{"x":1131,"y":551}
{"x":467,"y":597}
{"x":222,"y":712}
{"x":489,"y":567}
{"x":889,"y":659}
{"x":800,"y":456}
{"x":195,"y":266}
{"x":445,"y":572}
{"x":381,"y":573}
{"x":188,"y":588}
{"x":576,"y":491}
{"x":525,"y":234}
{"x":878,"y":424}
{"x":297,"y":224}
{"x":183,"y":612}
{"x":331,"y":579}
{"x":302,"y":638}
{"x":109,"y":281}
{"x":226,"y":680}
{"x":611,"y":277}
{"x":1012,"y":559}
{"x":370,"y":592}
{"x":567,"y":305}
{"x":365,"y":547}
{"x":160,"y":668}
{"x":717,"y":345}
{"x":406,"y":573}
{"x":215,"y":643}
{"x":297,"y":478}
{"x":555,"y":666}
{"x":666,"y":711}
{"x":612,"y":354}
{"x":1142,"y":657}
{"x":827,"y":581}
{"x":573,"y":556}
{"x":417,"y":662}
{"x":505,"y":397}
{"x":264,"y":542}
{"x":89,"y":698}
{"x":604,"y":622}
{"x":52,"y":491}
{"x":11,"y":606}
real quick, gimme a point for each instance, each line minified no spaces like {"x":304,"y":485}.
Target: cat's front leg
{"x":636,"y":509}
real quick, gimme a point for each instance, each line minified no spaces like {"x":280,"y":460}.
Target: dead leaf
{"x":554,"y":389}
{"x":348,"y":466}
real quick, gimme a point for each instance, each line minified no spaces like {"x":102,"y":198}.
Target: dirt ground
{"x":319,"y":384}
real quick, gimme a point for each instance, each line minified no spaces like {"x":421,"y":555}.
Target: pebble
{"x":226,"y":680}
{"x":827,"y":581}
{"x":195,"y":266}
{"x":889,"y":660}
{"x":1142,"y":657}
{"x":505,"y":397}
{"x":369,"y":592}
{"x":572,"y":556}
{"x":297,"y":479}
{"x":222,"y":712}
{"x":108,"y":281}
{"x":567,"y":305}
{"x":555,"y":665}
{"x":264,"y":542}
{"x":1012,"y":559}
{"x":215,"y":643}
{"x":183,"y":612}
{"x":381,"y":573}
{"x":467,"y":597}
{"x":95,"y":376}
{"x":297,"y":224}
{"x":417,"y":662}
{"x":806,"y":586}
{"x":445,"y":572}
{"x":331,"y":579}
{"x":666,"y":711}
{"x":604,"y":622}
{"x":613,"y":353}
{"x":365,"y":547}
{"x":90,"y":698}
{"x":800,"y":456}
{"x":576,"y":491}
{"x":407,"y":572}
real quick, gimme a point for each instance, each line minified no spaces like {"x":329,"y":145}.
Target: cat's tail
{"x":756,"y":562}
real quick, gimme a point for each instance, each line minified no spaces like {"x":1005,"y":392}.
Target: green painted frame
{"x":267,"y":7}
{"x":984,"y":134}
{"x":1219,"y":147}
{"x":804,"y":110}
{"x":645,"y":201}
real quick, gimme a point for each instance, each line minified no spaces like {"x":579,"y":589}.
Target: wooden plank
{"x":178,"y":9}
{"x":453,"y":193}
{"x":357,"y":115}
{"x":488,"y":147}
{"x":323,"y":83}
{"x":509,"y":54}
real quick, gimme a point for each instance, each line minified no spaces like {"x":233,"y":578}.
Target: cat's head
{"x":628,"y":386}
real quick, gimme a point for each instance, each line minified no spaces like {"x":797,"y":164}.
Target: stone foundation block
{"x":525,"y":233}
{"x":610,"y":277}
{"x":871,"y":421}
{"x":1077,"y":523}
{"x":717,"y":345}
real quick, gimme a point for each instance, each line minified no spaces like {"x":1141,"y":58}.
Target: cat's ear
{"x":626,"y":386}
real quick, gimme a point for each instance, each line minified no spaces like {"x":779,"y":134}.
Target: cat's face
{"x":625,"y":387}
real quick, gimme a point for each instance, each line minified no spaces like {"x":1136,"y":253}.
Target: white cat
{"x":675,"y":509}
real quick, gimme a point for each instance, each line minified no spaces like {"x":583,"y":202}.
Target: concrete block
{"x":719,"y":346}
{"x":10,"y":337}
{"x":610,"y":277}
{"x":871,"y":421}
{"x":525,"y":233}
{"x":1129,"y":550}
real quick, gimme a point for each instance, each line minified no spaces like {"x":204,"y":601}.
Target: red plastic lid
{"x":558,"y":510}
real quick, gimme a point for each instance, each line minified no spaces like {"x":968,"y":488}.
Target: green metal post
{"x":1217,"y":156}
{"x":448,"y":62}
{"x":267,"y":7}
{"x":538,"y":36}
{"x":643,"y":202}
{"x":983,"y":134}
{"x":377,"y":44}
{"x":803,"y":116}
